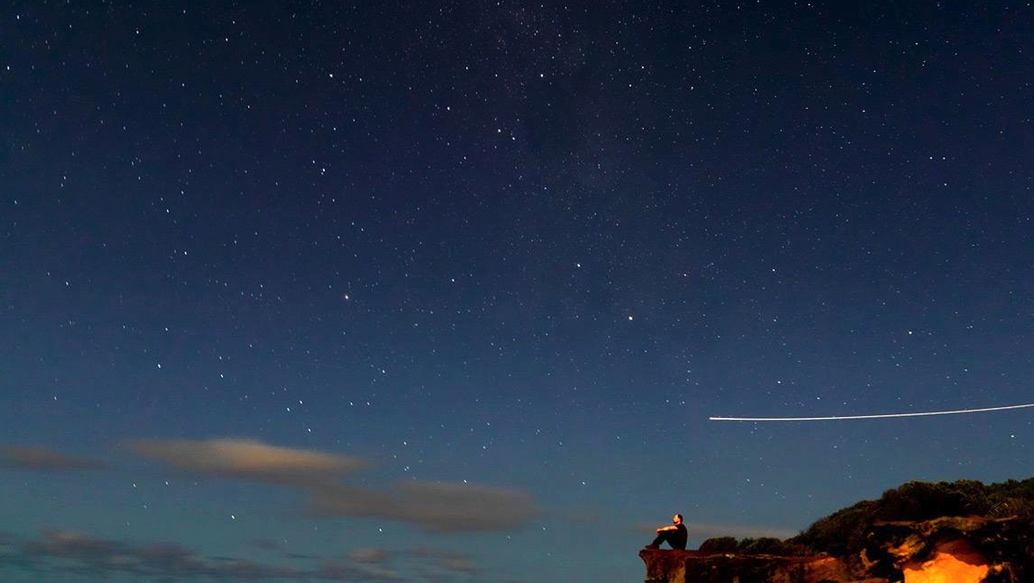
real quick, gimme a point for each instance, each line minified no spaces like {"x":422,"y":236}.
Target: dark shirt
{"x":678,"y":537}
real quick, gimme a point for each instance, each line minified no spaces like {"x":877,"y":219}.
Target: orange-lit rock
{"x":958,"y":549}
{"x":952,"y":562}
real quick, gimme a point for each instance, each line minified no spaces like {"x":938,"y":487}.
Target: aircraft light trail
{"x":880,"y":416}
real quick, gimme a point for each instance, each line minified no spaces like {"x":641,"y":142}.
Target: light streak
{"x":880,"y":416}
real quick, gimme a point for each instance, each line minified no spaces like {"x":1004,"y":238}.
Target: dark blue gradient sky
{"x":448,"y":290}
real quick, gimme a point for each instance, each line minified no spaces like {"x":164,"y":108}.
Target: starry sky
{"x":448,"y":291}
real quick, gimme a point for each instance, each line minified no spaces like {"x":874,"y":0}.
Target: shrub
{"x":719,"y":545}
{"x":764,"y":546}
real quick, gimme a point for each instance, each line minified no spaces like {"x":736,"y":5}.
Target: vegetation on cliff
{"x":845,"y":532}
{"x":848,"y":531}
{"x":727,"y":545}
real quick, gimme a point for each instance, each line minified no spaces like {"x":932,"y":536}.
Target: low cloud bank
{"x":700,"y":530}
{"x":72,"y":552}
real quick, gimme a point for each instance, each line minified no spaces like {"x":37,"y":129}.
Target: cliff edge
{"x":664,"y":566}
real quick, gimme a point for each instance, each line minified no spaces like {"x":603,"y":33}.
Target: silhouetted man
{"x":675,"y":535}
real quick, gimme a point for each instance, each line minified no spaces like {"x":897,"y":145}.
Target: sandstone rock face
{"x":954,"y":561}
{"x":696,"y":567}
{"x":959,"y":549}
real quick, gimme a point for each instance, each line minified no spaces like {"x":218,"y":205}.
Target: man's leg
{"x":662,"y":537}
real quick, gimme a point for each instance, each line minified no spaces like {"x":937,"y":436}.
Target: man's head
{"x":677,"y":519}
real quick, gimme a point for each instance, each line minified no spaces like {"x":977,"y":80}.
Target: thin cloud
{"x":440,"y":507}
{"x":447,"y":561}
{"x":344,"y":571}
{"x":739,"y":531}
{"x":706,"y":531}
{"x":367,"y":555}
{"x":40,"y":459}
{"x":432,"y":506}
{"x":433,"y":564}
{"x":245,"y":458}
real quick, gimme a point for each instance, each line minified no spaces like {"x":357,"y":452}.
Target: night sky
{"x":447,"y":291}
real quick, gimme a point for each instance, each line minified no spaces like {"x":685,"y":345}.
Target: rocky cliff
{"x":943,"y":550}
{"x":663,"y":566}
